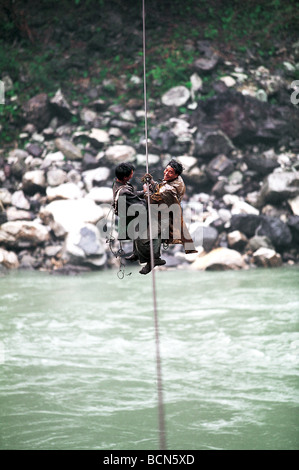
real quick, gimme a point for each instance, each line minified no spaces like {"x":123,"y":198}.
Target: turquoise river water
{"x":78,"y":367}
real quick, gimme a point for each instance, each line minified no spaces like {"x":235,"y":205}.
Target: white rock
{"x":73,"y":213}
{"x":87,"y":115}
{"x":101,"y":194}
{"x":15,"y":214}
{"x":219,"y":259}
{"x":99,"y":135}
{"x":236,"y":238}
{"x":188,"y":162}
{"x":239,"y":206}
{"x":19,"y":200}
{"x":267,"y":258}
{"x":56,"y":177}
{"x":294,"y":204}
{"x":176,"y":96}
{"x":152,"y":159}
{"x":196,"y":84}
{"x":34,"y":178}
{"x":261,"y":95}
{"x":120,"y":153}
{"x":98,"y":174}
{"x":228,"y":81}
{"x":54,"y":157}
{"x":23,"y":233}
{"x":8,"y":259}
{"x":64,"y":191}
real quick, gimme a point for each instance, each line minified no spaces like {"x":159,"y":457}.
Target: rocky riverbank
{"x":239,"y":148}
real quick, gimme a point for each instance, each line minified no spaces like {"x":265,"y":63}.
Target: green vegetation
{"x":66,"y":44}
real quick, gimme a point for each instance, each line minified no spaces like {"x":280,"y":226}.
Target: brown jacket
{"x":169,"y":193}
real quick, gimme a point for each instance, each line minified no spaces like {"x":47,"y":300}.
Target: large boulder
{"x":279,"y":186}
{"x":267,"y":258}
{"x":205,"y":236}
{"x":60,"y":106}
{"x":120,"y":153}
{"x":8,"y":259}
{"x":37,"y":111}
{"x":176,"y":96}
{"x":69,"y":150}
{"x":246,"y":119}
{"x":23,"y":234}
{"x":212,"y":143}
{"x":245,"y":223}
{"x":83,"y":245}
{"x":276,"y":230}
{"x":64,"y":191}
{"x":219,"y":166}
{"x":70,"y":213}
{"x":220,"y":259}
{"x":34,"y":181}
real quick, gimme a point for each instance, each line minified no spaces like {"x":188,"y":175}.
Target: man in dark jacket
{"x":124,"y":198}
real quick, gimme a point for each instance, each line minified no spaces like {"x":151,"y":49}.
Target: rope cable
{"x":162,"y":434}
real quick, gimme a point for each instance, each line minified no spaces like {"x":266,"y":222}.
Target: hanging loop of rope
{"x":162,"y":434}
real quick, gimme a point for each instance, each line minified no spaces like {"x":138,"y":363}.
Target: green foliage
{"x":230,"y":26}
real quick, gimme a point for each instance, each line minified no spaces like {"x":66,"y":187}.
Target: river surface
{"x":78,"y":364}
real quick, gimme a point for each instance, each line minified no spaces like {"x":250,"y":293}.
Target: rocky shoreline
{"x":239,"y":148}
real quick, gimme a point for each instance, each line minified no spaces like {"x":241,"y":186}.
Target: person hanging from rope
{"x":126,"y":203}
{"x":167,"y":215}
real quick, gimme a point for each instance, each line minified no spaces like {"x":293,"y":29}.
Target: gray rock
{"x":69,"y":150}
{"x":212,"y":143}
{"x":34,"y":150}
{"x":56,"y":176}
{"x":259,"y":242}
{"x":277,"y":231}
{"x":37,"y":111}
{"x":83,"y":245}
{"x":262,"y":164}
{"x":245,"y":223}
{"x":279,"y":186}
{"x":204,"y":236}
{"x":60,"y":106}
{"x":293,"y":224}
{"x":205,"y":64}
{"x":219,"y":166}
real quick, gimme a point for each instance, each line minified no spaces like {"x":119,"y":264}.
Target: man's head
{"x":124,"y":172}
{"x":172,"y":170}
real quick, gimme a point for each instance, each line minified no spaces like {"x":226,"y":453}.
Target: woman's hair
{"x":178,"y":168}
{"x":123,"y":169}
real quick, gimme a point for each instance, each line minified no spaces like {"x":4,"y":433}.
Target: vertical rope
{"x":162,"y":434}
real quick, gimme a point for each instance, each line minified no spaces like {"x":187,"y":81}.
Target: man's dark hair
{"x":124,"y":169}
{"x":178,"y":168}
